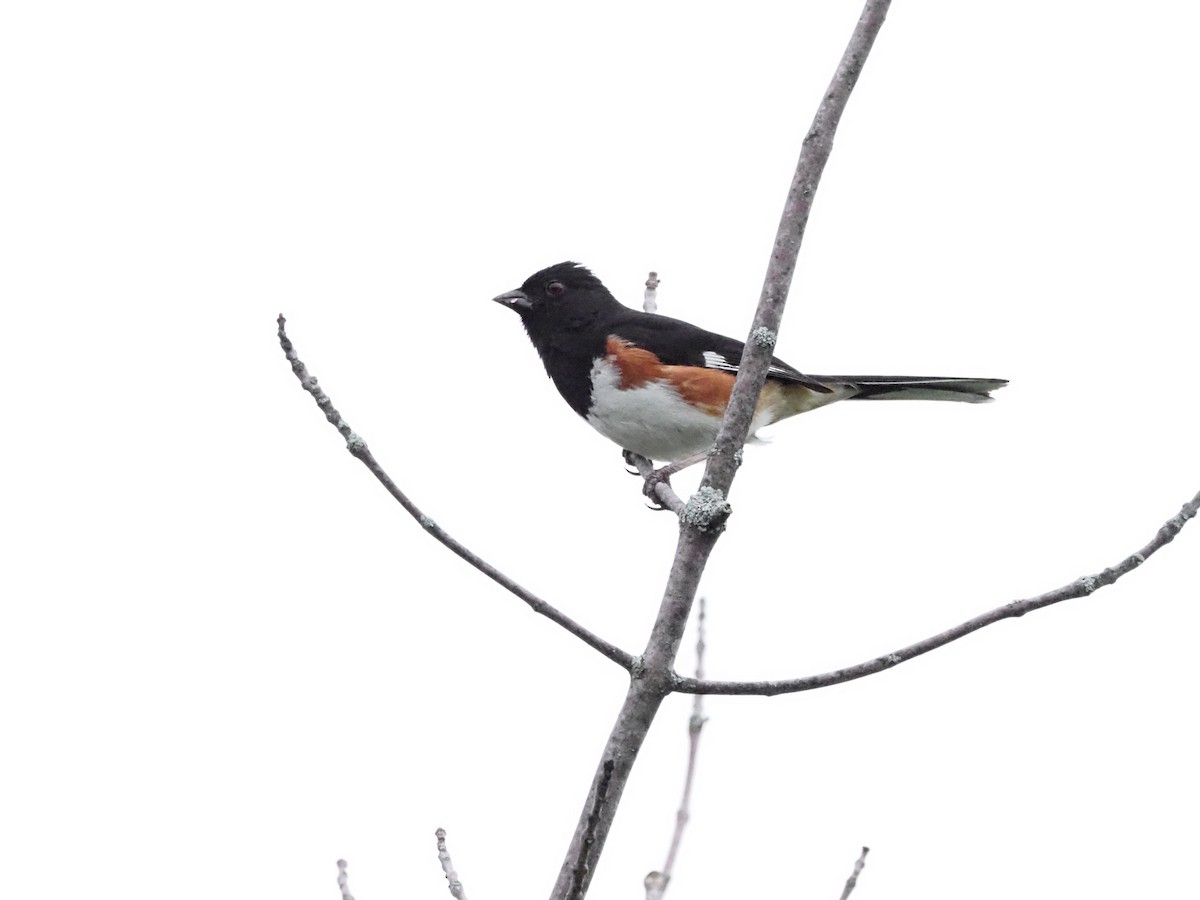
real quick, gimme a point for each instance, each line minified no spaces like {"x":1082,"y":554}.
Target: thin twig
{"x":663,"y":492}
{"x":657,"y":882}
{"x":853,"y":879}
{"x":703,"y":517}
{"x":344,"y":880}
{"x":358,"y":448}
{"x":650,"y":298}
{"x":1081,"y":587}
{"x":456,"y":889}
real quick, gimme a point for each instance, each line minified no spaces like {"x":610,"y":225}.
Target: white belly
{"x":650,"y":419}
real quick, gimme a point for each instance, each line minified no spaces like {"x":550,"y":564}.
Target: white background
{"x":228,"y":658}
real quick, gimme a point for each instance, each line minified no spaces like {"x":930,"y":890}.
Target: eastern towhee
{"x":658,"y":386}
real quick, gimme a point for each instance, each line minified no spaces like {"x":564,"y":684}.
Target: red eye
{"x":555,"y":289}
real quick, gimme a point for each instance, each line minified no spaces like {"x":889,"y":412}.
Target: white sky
{"x":229,"y":658}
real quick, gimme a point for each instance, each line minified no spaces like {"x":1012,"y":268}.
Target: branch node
{"x":763,"y":336}
{"x":656,"y":884}
{"x":706,"y":509}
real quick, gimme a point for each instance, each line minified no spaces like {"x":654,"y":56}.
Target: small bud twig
{"x":649,"y":300}
{"x":456,"y":889}
{"x":344,"y":880}
{"x":656,"y":883}
{"x":853,"y":879}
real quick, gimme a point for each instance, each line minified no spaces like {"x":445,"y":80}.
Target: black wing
{"x":679,"y":343}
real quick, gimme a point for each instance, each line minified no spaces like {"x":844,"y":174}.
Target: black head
{"x":563,"y":292}
{"x":566,"y":312}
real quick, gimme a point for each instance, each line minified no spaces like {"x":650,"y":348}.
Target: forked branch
{"x":703,"y":517}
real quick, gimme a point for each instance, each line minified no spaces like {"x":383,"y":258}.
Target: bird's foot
{"x":650,"y":487}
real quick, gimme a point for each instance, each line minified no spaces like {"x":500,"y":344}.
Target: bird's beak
{"x":517,"y":300}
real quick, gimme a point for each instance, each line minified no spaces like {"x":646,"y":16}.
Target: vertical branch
{"x":818,"y":144}
{"x":703,"y":517}
{"x":584,"y":866}
{"x":657,"y":882}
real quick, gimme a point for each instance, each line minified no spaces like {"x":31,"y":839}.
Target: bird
{"x":658,"y":386}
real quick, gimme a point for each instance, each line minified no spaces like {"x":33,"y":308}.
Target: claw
{"x":659,"y":476}
{"x":632,"y":469}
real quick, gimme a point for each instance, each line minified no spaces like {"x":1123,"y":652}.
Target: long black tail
{"x":877,"y":387}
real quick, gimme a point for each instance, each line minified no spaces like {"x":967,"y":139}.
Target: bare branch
{"x":456,"y":889}
{"x":703,"y":517}
{"x":583,"y":868}
{"x":725,"y":457}
{"x":344,"y":880}
{"x":358,"y":448}
{"x":1081,"y":587}
{"x":656,"y":882}
{"x":853,"y":879}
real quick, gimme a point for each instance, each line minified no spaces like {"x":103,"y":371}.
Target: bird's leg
{"x":679,"y":465}
{"x":639,"y":465}
{"x":636,"y":464}
{"x":663,"y":475}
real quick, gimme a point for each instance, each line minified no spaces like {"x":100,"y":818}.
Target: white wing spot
{"x":714,"y":360}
